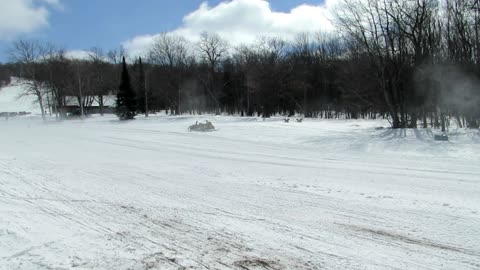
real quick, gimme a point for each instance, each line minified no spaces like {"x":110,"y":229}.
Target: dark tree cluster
{"x":4,"y":75}
{"x":415,"y":62}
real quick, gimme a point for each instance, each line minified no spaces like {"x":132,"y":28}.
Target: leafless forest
{"x":416,"y":62}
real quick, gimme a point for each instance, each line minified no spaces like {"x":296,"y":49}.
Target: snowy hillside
{"x":11,"y":100}
{"x":148,"y":194}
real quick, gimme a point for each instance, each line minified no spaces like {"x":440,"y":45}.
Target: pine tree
{"x":126,"y":102}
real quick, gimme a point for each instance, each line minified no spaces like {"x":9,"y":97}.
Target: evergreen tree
{"x":126,"y":101}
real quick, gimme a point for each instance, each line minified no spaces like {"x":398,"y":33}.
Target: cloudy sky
{"x":81,"y":24}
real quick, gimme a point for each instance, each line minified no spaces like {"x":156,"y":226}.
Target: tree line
{"x":415,"y":62}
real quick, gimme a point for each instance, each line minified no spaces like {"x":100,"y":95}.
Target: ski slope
{"x":11,"y":99}
{"x":322,"y":194}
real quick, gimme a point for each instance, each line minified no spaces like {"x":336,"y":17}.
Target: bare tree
{"x":172,"y":53}
{"x":303,"y":60}
{"x":369,"y":24}
{"x":102,"y":82}
{"x":115,"y":55}
{"x":212,"y":49}
{"x":57,"y":74}
{"x":31,"y":55}
{"x":245,"y":57}
{"x":271,"y":74}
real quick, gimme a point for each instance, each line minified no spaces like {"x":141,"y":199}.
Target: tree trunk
{"x":442,"y":116}
{"x":413,"y":121}
{"x":424,"y":116}
{"x":100,"y":103}
{"x":146,"y":102}
{"x":459,"y":121}
{"x":40,"y":101}
{"x":80,"y":100}
{"x":177,"y":101}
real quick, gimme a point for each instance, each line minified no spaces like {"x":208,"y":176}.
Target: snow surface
{"x":322,"y":194}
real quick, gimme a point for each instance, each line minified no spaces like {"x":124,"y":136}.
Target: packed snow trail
{"x":148,"y":194}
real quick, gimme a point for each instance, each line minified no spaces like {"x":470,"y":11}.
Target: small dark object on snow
{"x":379,"y":128}
{"x":299,"y":120}
{"x":441,"y":137}
{"x":286,"y":120}
{"x":208,"y":126}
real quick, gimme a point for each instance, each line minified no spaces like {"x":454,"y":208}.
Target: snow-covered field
{"x":148,"y":194}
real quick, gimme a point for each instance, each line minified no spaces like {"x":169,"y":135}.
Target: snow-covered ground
{"x":148,"y":194}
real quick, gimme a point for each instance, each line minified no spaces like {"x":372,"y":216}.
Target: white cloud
{"x":242,"y":21}
{"x":77,"y":54}
{"x":24,"y":16}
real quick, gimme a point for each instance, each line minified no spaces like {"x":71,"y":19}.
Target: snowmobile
{"x":208,"y":126}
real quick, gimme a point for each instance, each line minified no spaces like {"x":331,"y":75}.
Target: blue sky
{"x":82,"y":24}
